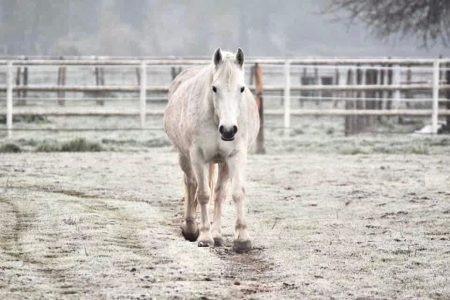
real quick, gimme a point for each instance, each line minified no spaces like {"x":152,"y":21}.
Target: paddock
{"x":346,"y":201}
{"x":106,"y":225}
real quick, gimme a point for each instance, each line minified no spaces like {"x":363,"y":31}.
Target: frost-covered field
{"x":331,"y":216}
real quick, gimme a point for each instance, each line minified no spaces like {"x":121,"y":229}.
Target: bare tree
{"x":428,"y":20}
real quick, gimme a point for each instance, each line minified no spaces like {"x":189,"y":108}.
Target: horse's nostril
{"x":228,"y":133}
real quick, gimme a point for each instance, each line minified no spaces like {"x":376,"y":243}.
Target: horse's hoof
{"x":190,"y":236}
{"x":190,"y":231}
{"x":242,"y":246}
{"x":218,"y":241}
{"x":206,"y":243}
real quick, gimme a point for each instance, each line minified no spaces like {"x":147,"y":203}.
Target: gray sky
{"x":189,"y":28}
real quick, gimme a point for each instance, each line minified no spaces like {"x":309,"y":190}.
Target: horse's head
{"x":227,"y":89}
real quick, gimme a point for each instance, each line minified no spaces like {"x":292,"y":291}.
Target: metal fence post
{"x":287,"y":95}
{"x":434,"y":115}
{"x":143,"y":93}
{"x":397,"y":82}
{"x":9,"y":98}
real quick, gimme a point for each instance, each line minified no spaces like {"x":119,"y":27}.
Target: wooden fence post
{"x":337,"y":81}
{"x":259,"y":102}
{"x":396,"y":82}
{"x":389,"y":82}
{"x":143,"y":94}
{"x":138,"y":75}
{"x":447,"y":94}
{"x":175,"y":71}
{"x":99,"y":81}
{"x":364,"y":105}
{"x":25,"y":83}
{"x":22,"y":80}
{"x":435,"y":111}
{"x":397,"y":95}
{"x":381,"y":93}
{"x":18,"y":82}
{"x":318,"y":81}
{"x":287,"y":96}
{"x":371,"y":79}
{"x":359,"y":104}
{"x":408,"y":94}
{"x":9,"y":98}
{"x":349,"y":104}
{"x":303,"y":80}
{"x":61,"y":82}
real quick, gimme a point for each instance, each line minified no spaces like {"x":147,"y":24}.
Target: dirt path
{"x":105,"y":225}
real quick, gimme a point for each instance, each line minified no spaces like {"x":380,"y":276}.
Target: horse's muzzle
{"x":228,"y":133}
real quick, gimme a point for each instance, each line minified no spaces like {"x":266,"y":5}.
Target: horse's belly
{"x":176,"y":127}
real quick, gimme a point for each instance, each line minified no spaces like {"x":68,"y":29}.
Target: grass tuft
{"x":353,"y":150}
{"x":420,"y":149}
{"x":81,"y":145}
{"x":76,"y":145}
{"x":10,"y":148}
{"x":48,"y":146}
{"x":26,"y":119}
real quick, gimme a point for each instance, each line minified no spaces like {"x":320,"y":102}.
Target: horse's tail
{"x":212,"y":180}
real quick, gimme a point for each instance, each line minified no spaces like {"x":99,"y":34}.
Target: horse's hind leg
{"x":219,"y":197}
{"x":189,"y":228}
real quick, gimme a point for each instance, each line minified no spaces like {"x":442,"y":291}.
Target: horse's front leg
{"x":202,"y":194}
{"x":220,"y":194}
{"x":237,"y":165}
{"x":189,"y":228}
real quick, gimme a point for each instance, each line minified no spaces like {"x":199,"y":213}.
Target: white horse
{"x":212,"y":118}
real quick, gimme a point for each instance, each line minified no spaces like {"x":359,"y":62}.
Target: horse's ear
{"x":217,"y":58}
{"x":240,"y":57}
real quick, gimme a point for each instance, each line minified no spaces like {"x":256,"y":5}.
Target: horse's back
{"x":180,"y":93}
{"x":182,"y":78}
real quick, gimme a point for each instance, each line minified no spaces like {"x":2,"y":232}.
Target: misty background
{"x":190,"y":28}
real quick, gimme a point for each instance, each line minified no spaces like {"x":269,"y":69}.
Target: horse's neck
{"x":207,"y":105}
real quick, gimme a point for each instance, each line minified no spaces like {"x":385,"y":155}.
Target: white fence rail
{"x":287,"y":68}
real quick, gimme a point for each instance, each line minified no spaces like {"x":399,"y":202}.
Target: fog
{"x":189,"y":28}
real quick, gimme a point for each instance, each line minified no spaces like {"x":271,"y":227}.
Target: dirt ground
{"x":106,"y":226}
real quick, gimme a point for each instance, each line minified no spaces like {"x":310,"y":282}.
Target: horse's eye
{"x":242,"y":89}
{"x":214,"y":89}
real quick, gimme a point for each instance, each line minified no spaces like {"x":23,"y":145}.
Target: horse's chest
{"x":215,"y":150}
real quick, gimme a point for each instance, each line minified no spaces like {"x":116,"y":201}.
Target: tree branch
{"x":427,"y":20}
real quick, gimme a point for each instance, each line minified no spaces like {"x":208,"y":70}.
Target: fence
{"x":369,"y":88}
